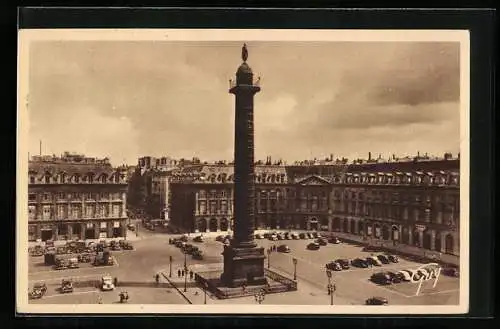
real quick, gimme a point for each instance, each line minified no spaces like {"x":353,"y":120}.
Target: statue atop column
{"x":244,"y":52}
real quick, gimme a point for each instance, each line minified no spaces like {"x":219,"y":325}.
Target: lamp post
{"x":331,"y":290}
{"x":294,"y":269}
{"x":268,"y":258}
{"x":170,"y":272}
{"x":205,"y":286}
{"x":185,"y":271}
{"x":260,"y":296}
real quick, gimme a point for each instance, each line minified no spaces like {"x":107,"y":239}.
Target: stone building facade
{"x":74,"y":196}
{"x":414,"y":202}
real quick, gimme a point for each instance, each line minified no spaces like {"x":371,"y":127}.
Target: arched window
{"x":76,"y":178}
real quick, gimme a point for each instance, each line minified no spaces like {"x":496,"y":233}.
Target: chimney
{"x":369,"y":156}
{"x":418,"y":154}
{"x":393,"y":156}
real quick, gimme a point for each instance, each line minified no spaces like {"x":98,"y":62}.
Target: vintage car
{"x":257,"y":236}
{"x":372,"y":249}
{"x":73,"y":263}
{"x":37,"y":251}
{"x":39,"y":289}
{"x":219,"y":238}
{"x":344,"y":263}
{"x":313,"y":246}
{"x":321,"y":241}
{"x":103,"y":259}
{"x":377,"y":301}
{"x":127,"y":246}
{"x":404,"y":275}
{"x":61,"y":263}
{"x":334,"y":266}
{"x":294,"y":236}
{"x":66,"y":286}
{"x":358,"y":262}
{"x":107,"y":283}
{"x":382,"y":278}
{"x":84,"y":258}
{"x":334,"y":240}
{"x":115,"y":246}
{"x":392,"y":258}
{"x":451,"y":271}
{"x":284,"y":248}
{"x":180,"y":244}
{"x":131,"y":227}
{"x":198,"y":238}
{"x":198,"y":254}
{"x":383,"y":259}
{"x":123,"y":297}
{"x":61,"y":250}
{"x":184,"y":238}
{"x":302,"y":236}
{"x":372,"y":260}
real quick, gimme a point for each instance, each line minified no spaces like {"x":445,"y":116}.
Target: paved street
{"x":136,"y":269}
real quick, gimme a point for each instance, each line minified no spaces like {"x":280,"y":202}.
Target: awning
{"x":399,"y":173}
{"x":430,"y":174}
{"x":348,"y":174}
{"x":442,"y":172}
{"x":389,"y":174}
{"x":408,"y":174}
{"x":419,"y":173}
{"x":371,"y":175}
{"x":356,"y":175}
{"x":454,"y":174}
{"x":381,"y":174}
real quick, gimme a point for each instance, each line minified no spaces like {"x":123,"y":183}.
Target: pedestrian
{"x":183,"y":273}
{"x":191,"y":274}
{"x":157,"y":278}
{"x":116,"y":282}
{"x":179,"y":273}
{"x":99,"y":300}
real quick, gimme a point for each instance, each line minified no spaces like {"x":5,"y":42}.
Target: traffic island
{"x":211,"y":281}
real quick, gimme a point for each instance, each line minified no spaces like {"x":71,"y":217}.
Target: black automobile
{"x":302,"y":236}
{"x":451,"y":271}
{"x":334,"y":266}
{"x":344,"y":263}
{"x":219,"y":238}
{"x":372,"y":249}
{"x":184,"y":238}
{"x":334,"y":240}
{"x":381,"y":278}
{"x":198,"y":238}
{"x":358,"y":262}
{"x":373,"y":261}
{"x":383,"y":259}
{"x":179,"y":243}
{"x":280,"y":236}
{"x":197,"y":255}
{"x":314,"y":235}
{"x":287,"y":236}
{"x":284,"y":248}
{"x":321,"y":242}
{"x":309,"y":236}
{"x":393,"y":259}
{"x":377,"y":301}
{"x":394,"y":277}
{"x":313,"y":246}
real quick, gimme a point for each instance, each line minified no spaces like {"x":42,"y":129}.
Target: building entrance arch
{"x":201,"y":225}
{"x":224,"y":224}
{"x":345,"y":226}
{"x":336,"y":224}
{"x":353,"y":227}
{"x":448,"y":244}
{"x":427,"y":240}
{"x":212,"y":226}
{"x":385,"y":232}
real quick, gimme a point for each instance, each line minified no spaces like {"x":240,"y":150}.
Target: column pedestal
{"x":243,"y":266}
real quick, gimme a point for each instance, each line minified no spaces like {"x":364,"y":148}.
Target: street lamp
{"x":170,"y":274}
{"x":260,"y":296}
{"x":205,"y":285}
{"x":185,"y":271}
{"x":329,"y":276}
{"x":294,"y":269}
{"x":331,"y":290}
{"x":268,"y":258}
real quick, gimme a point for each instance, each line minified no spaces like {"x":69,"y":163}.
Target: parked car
{"x":280,"y":236}
{"x":344,"y":263}
{"x":179,"y":243}
{"x":394,"y":277}
{"x":107,"y":283}
{"x":287,"y":236}
{"x":198,"y":254}
{"x":321,"y":241}
{"x":37,"y":251}
{"x":393,"y":259}
{"x":131,"y":227}
{"x":334,"y":240}
{"x":66,"y":286}
{"x":383,"y":259}
{"x":39,"y":289}
{"x":184,"y":238}
{"x":309,"y":236}
{"x":284,"y":248}
{"x":199,"y":238}
{"x":258,"y":236}
{"x":382,"y":278}
{"x":372,"y":260}
{"x":295,"y":236}
{"x":219,"y":238}
{"x":358,"y":262}
{"x":372,"y":249}
{"x":334,"y":266}
{"x":302,"y":236}
{"x":84,"y":258}
{"x":404,"y":275}
{"x":377,"y":301}
{"x":314,"y":235}
{"x":451,"y":271}
{"x":313,"y":246}
{"x":273,"y":237}
{"x":73,"y":263}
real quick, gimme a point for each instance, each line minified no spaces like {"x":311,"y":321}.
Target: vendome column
{"x":243,"y":260}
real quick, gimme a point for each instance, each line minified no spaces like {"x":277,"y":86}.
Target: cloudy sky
{"x":125,"y":99}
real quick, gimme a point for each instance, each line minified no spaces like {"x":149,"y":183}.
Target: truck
{"x":103,"y":259}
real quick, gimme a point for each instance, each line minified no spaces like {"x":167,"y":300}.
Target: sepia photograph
{"x":243,"y":171}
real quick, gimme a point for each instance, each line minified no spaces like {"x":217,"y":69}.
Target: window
{"x":116,"y":210}
{"x":31,"y":212}
{"x":61,"y":196}
{"x":213,"y":207}
{"x":223,"y":194}
{"x":75,"y":211}
{"x":47,"y":212}
{"x":89,"y":211}
{"x":61,"y":212}
{"x":46,"y":197}
{"x":77,"y":179}
{"x":223,"y":207}
{"x":32,"y":180}
{"x":76,"y":195}
{"x":32,"y":197}
{"x":103,"y":225}
{"x":47,"y":179}
{"x":202,"y":194}
{"x":203,"y":207}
